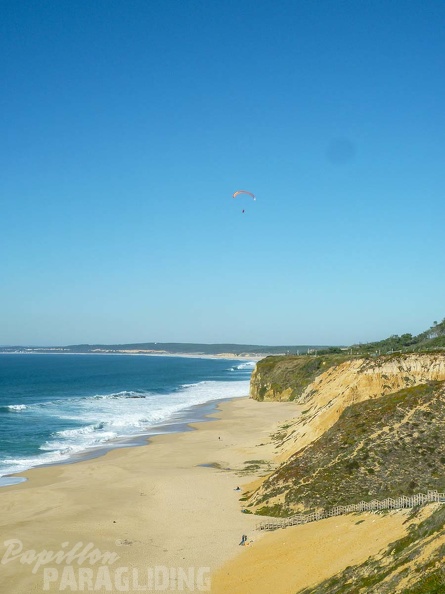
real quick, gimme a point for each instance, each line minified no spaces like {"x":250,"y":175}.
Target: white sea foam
{"x":16,"y":465}
{"x":100,"y":420}
{"x":246,"y":365}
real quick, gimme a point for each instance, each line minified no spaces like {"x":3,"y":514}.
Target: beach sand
{"x":172,"y":504}
{"x":286,"y":561}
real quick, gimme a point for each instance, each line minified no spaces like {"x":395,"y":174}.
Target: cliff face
{"x":363,"y":429}
{"x":328,"y":393}
{"x":297,"y":378}
{"x":286,"y":377}
{"x":385,"y":447}
{"x":330,"y":390}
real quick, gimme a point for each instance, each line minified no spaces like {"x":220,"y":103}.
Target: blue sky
{"x":126,"y":126}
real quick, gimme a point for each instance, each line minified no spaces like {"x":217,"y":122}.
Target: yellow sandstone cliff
{"x":321,"y":402}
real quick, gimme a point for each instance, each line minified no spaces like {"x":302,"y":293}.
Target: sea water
{"x":54,"y":408}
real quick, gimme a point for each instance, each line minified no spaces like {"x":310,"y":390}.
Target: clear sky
{"x":126,"y":126}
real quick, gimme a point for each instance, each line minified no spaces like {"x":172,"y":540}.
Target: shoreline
{"x":174,"y":505}
{"x":180,"y":422}
{"x":193,"y":405}
{"x":171,"y":502}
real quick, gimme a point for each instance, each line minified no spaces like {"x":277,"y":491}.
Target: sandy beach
{"x":171,"y":503}
{"x":286,"y":561}
{"x":167,"y":516}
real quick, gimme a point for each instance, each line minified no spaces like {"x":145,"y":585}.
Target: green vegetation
{"x":430,"y":340}
{"x":386,"y":447}
{"x":251,"y":466}
{"x":294,"y":373}
{"x":270,"y":510}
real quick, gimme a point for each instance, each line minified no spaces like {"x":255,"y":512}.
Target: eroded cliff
{"x":364,"y":428}
{"x":385,"y":447}
{"x":323,"y":390}
{"x":326,"y":386}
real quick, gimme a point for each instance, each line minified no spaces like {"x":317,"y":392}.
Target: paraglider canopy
{"x":243,"y":192}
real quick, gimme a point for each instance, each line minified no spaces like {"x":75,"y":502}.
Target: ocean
{"x":58,"y":408}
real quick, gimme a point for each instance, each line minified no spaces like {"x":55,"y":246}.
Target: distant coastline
{"x":230,"y":356}
{"x":219,"y":351}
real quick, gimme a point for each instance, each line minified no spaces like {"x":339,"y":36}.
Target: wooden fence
{"x":338,"y":510}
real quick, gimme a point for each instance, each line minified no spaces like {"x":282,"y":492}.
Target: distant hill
{"x":431,"y":339}
{"x":169,"y":348}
